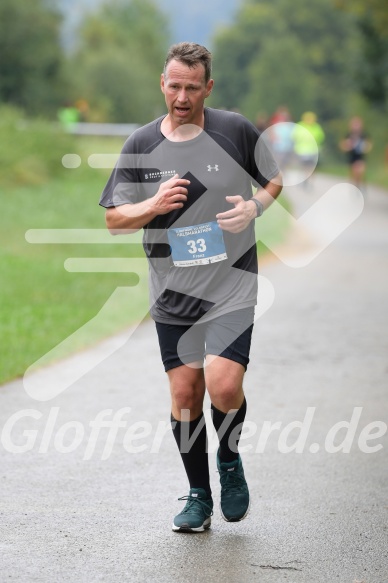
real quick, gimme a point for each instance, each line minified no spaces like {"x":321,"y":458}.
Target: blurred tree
{"x":31,"y":56}
{"x":274,"y":55}
{"x":118,"y":62}
{"x":289,"y":90}
{"x":375,"y":10}
{"x":372,"y":71}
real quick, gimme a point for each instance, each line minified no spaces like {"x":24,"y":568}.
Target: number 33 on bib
{"x":197,"y":245}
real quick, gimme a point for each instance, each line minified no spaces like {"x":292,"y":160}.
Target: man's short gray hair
{"x":190,"y":54}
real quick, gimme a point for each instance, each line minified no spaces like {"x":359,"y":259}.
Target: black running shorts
{"x":228,"y":336}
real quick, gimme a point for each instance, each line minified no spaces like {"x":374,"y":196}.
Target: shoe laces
{"x":193,"y":502}
{"x":232,"y":481}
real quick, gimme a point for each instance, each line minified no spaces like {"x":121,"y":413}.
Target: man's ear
{"x":162,"y":82}
{"x":209,"y":87}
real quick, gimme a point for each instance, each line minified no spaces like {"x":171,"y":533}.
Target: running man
{"x":357,"y":145}
{"x":186,"y":179}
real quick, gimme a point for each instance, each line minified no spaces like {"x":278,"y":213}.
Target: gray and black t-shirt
{"x":196,"y":271}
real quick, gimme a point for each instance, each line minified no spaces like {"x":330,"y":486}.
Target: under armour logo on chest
{"x":210,"y":168}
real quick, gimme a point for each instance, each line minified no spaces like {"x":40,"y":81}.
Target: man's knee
{"x":224,"y":382}
{"x":187,"y":389}
{"x":186,"y":397}
{"x":225,"y":395}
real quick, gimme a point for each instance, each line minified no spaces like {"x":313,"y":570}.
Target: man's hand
{"x":238,"y":218}
{"x":171,"y":195}
{"x":129,"y":218}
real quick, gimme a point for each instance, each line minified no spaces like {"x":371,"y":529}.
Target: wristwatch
{"x":259,"y":206}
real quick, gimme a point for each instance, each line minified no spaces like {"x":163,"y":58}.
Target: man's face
{"x":185,"y":92}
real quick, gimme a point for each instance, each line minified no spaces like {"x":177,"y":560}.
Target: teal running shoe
{"x":195,"y":517}
{"x":234,"y":490}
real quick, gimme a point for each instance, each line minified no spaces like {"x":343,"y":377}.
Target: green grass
{"x":42,"y":304}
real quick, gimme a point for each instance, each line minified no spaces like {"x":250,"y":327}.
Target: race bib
{"x":197,"y":245}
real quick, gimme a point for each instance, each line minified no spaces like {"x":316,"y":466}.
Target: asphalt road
{"x":81,"y":503}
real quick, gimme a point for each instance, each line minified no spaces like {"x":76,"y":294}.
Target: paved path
{"x":319,"y":357}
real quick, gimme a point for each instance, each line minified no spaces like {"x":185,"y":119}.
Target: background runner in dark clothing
{"x":356,"y":144}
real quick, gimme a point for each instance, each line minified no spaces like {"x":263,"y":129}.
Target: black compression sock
{"x":229,"y":427}
{"x":193,"y":450}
